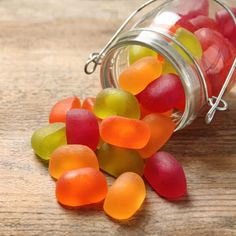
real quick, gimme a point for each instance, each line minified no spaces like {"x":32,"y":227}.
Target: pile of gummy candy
{"x":121,"y":131}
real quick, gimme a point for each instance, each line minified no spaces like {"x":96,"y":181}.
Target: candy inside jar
{"x":173,"y":56}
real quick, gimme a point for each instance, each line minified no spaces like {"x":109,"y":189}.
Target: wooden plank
{"x":43,"y":46}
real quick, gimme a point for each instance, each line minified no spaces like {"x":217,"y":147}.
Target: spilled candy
{"x":88,"y":103}
{"x":125,"y":196}
{"x":59,"y":110}
{"x":166,"y":175}
{"x":115,"y":161}
{"x":162,"y":127}
{"x":124,"y":132}
{"x":125,"y":126}
{"x":81,"y":187}
{"x":71,"y":157}
{"x":82,"y":128}
{"x":46,"y":139}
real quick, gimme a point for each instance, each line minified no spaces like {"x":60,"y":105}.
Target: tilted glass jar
{"x":154,"y":26}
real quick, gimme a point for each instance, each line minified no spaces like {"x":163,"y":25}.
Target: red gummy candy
{"x":207,"y":37}
{"x":82,"y":128}
{"x":197,"y":23}
{"x":162,"y":94}
{"x":166,"y":175}
{"x":218,"y":53}
{"x":192,"y":8}
{"x":217,"y":80}
{"x":226,"y":25}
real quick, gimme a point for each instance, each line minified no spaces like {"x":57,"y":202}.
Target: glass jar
{"x":156,"y":26}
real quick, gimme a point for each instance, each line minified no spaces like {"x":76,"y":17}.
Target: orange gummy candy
{"x":162,"y":127}
{"x":125,"y":196}
{"x":59,"y":110}
{"x":136,"y":77}
{"x":124,"y":132}
{"x":144,"y":112}
{"x":88,"y":103}
{"x":71,"y":157}
{"x":81,"y":187}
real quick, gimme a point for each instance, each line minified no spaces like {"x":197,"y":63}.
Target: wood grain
{"x":43,"y":47}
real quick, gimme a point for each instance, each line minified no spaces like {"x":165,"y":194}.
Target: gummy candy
{"x":197,"y":23}
{"x":137,"y":76}
{"x":226,"y":25}
{"x":168,"y":68}
{"x":218,"y":51}
{"x":165,"y":175}
{"x":137,"y":52}
{"x":162,"y":94}
{"x":208,"y":37}
{"x":161,"y":128}
{"x":115,"y":160}
{"x":88,"y":103}
{"x":145,"y":112}
{"x":190,"y":42}
{"x":46,"y":139}
{"x":124,"y":132}
{"x":125,"y":196}
{"x":71,"y":157}
{"x":191,"y":8}
{"x":81,"y":187}
{"x":113,"y":101}
{"x":59,"y":110}
{"x":217,"y":80}
{"x":82,"y":128}
{"x":181,"y":104}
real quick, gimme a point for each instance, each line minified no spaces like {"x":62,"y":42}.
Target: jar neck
{"x":115,"y":58}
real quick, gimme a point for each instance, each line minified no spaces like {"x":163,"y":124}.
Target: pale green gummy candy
{"x":111,"y":101}
{"x":190,"y":42}
{"x":168,"y":68}
{"x":115,"y":160}
{"x":46,"y":139}
{"x":137,"y":52}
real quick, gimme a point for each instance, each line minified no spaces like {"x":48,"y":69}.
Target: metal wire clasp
{"x":92,"y":63}
{"x":216,"y":103}
{"x":96,"y":58}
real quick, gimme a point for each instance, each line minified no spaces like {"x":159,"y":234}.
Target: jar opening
{"x":124,"y":53}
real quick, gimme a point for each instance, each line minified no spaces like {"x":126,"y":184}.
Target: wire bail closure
{"x":216,"y":103}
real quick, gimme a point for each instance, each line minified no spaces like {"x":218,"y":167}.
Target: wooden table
{"x":43,"y":47}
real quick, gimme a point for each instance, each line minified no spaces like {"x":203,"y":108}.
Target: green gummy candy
{"x":111,"y":101}
{"x":46,"y":139}
{"x":168,"y":68}
{"x":137,"y":52}
{"x":190,"y":42}
{"x":115,"y":160}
